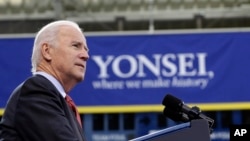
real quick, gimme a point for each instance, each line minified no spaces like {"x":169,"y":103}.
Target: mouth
{"x":80,"y":65}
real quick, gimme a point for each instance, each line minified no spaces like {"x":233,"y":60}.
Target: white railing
{"x":130,"y":9}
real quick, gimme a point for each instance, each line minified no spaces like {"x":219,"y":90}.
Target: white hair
{"x":48,"y":35}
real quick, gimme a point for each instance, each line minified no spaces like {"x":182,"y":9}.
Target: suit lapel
{"x":69,"y":113}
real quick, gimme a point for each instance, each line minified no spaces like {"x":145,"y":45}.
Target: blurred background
{"x":26,"y":16}
{"x":100,"y":17}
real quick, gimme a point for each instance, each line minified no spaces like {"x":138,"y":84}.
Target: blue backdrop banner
{"x":205,"y":67}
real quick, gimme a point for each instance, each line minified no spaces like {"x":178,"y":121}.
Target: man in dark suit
{"x":37,"y":109}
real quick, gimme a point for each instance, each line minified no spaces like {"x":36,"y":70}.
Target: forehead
{"x":72,"y":33}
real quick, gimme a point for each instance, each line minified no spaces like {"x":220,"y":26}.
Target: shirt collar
{"x":54,"y":81}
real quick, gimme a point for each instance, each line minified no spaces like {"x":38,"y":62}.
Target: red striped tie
{"x":74,"y":109}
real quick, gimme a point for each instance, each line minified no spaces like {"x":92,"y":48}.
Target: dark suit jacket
{"x":36,"y":111}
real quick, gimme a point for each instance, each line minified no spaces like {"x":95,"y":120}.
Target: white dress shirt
{"x":54,"y":81}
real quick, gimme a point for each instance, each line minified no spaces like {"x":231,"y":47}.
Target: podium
{"x":195,"y":130}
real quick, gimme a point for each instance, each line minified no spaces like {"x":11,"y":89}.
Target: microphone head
{"x":173,"y":108}
{"x":172,"y":102}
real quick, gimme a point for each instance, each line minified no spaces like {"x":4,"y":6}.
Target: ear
{"x":46,"y":51}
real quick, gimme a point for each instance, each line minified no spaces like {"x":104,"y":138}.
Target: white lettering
{"x":104,"y":84}
{"x":186,"y":64}
{"x":132,"y":62}
{"x":189,"y":82}
{"x":167,"y":65}
{"x":144,"y":61}
{"x":237,"y":132}
{"x":103,"y":65}
{"x":155,"y":83}
{"x":201,"y":64}
{"x":133,"y":84}
{"x":240,"y":132}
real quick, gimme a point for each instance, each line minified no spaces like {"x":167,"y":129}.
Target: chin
{"x":79,"y":79}
{"x":79,"y":76}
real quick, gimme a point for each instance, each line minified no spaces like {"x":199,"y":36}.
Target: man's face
{"x":70,"y":55}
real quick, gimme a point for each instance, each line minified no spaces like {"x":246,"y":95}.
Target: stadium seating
{"x":114,"y":8}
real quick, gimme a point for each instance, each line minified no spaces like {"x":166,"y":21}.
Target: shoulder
{"x":37,"y":79}
{"x":37,"y":84}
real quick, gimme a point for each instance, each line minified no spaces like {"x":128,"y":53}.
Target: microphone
{"x":175,"y":115}
{"x":178,"y":111}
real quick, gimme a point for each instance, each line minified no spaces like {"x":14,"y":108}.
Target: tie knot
{"x":70,"y":102}
{"x":68,"y":98}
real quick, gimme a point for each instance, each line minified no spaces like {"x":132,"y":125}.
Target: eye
{"x":86,"y":48}
{"x":76,"y":45}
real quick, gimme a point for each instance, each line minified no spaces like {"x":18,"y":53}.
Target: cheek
{"x":69,"y":61}
{"x":62,"y":62}
{"x":66,"y":59}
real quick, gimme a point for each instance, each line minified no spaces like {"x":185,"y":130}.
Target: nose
{"x":84,"y":55}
